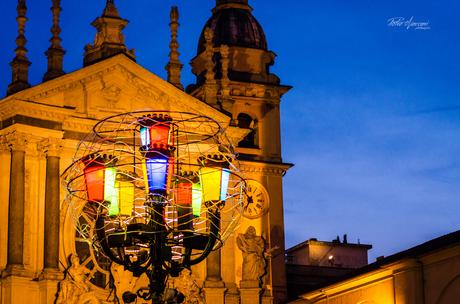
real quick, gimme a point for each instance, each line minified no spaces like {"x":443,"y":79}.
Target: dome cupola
{"x":232,"y":48}
{"x":233,"y":24}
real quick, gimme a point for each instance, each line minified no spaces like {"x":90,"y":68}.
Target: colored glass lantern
{"x":94,"y":179}
{"x":184,"y":205}
{"x":190,"y":195}
{"x":156,"y":131}
{"x":214,"y":181}
{"x":145,"y":136}
{"x":159,"y":134}
{"x":184,"y":194}
{"x":99,"y":177}
{"x":122,"y":201}
{"x":197,"y":199}
{"x":110,"y":192}
{"x":156,"y":172}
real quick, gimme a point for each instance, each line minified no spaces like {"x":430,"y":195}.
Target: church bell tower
{"x":232,"y":69}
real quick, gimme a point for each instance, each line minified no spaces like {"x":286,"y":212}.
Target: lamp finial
{"x":55,"y":52}
{"x":109,"y":40}
{"x":20,"y":64}
{"x":174,"y":66}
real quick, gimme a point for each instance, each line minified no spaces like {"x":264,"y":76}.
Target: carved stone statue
{"x":75,"y":288}
{"x":186,"y":285}
{"x":253,"y":248}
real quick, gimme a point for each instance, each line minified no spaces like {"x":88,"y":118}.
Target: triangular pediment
{"x":76,"y":101}
{"x":115,"y":85}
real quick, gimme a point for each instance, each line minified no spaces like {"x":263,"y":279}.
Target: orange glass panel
{"x":184,"y":194}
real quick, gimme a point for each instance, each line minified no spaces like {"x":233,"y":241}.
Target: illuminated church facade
{"x":41,"y":125}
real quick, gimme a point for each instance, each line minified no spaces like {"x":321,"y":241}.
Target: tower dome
{"x":233,"y":24}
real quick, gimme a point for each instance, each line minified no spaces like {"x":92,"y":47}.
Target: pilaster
{"x":5,"y":159}
{"x":408,"y":283}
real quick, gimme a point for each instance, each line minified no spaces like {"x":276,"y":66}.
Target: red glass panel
{"x":184,"y":206}
{"x":159,"y":134}
{"x":94,"y":178}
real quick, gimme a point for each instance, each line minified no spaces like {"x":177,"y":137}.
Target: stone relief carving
{"x":186,"y":285}
{"x":111,"y":95}
{"x":143,"y":89}
{"x":75,"y":288}
{"x":253,"y":249}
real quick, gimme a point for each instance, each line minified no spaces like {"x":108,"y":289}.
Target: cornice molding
{"x":12,"y":107}
{"x":251,"y":91}
{"x":264,"y":168}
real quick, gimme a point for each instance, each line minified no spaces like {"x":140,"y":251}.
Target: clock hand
{"x":250,"y":201}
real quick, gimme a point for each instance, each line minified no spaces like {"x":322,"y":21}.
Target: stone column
{"x":52,"y":148}
{"x":213,"y":271}
{"x":214,"y":287}
{"x":17,"y":143}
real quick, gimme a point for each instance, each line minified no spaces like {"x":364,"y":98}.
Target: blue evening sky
{"x":373,"y":121}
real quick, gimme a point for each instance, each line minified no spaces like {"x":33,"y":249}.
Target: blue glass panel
{"x":225,"y":179}
{"x":157,"y":169}
{"x":145,"y":136}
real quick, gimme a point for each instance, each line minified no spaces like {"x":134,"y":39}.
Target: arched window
{"x":246,"y":122}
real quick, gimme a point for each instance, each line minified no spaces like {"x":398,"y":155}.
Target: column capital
{"x":4,"y":144}
{"x":50,"y":146}
{"x":14,"y":141}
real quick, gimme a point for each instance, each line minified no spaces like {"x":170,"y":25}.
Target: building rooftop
{"x":327,"y":243}
{"x":440,"y":243}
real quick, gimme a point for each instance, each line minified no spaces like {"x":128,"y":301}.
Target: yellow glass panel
{"x":146,"y":178}
{"x":110,"y":193}
{"x":210,"y":179}
{"x":197,"y":198}
{"x":126,"y":194}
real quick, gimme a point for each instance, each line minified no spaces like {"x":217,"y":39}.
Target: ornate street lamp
{"x":162,"y":190}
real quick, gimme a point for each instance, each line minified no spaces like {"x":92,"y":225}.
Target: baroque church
{"x":41,"y":126}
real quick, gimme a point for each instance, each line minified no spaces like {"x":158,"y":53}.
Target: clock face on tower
{"x":256,"y":200}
